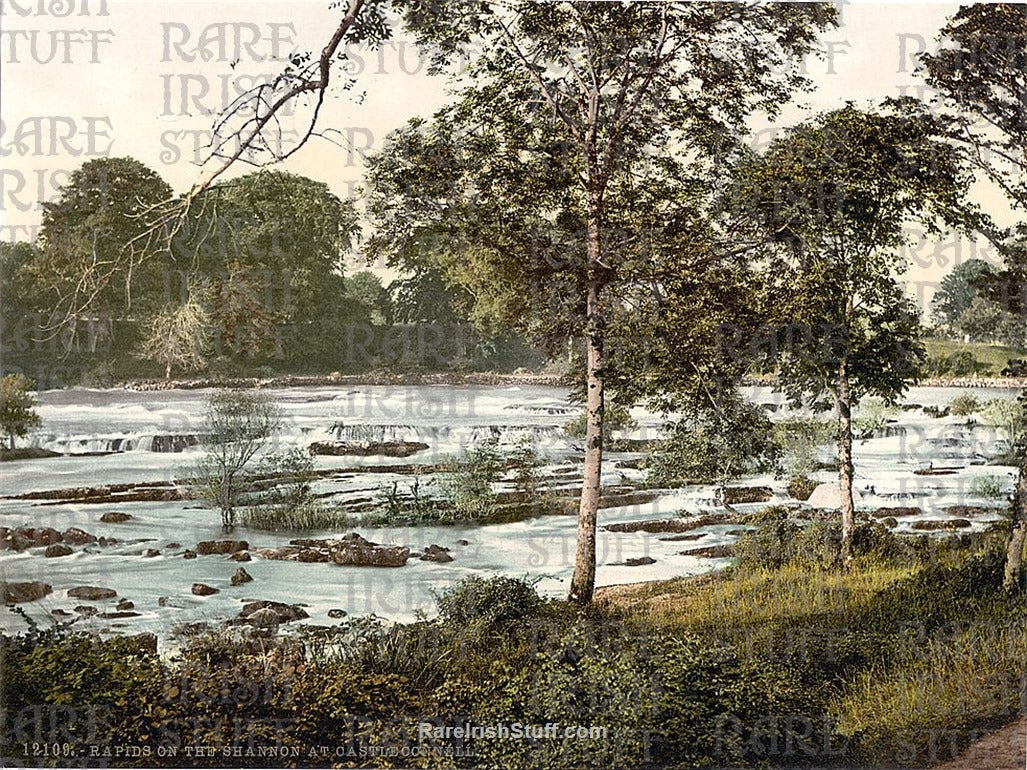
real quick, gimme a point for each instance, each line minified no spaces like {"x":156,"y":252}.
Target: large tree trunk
{"x":843,"y":403}
{"x":584,"y":579}
{"x":1014,"y":551}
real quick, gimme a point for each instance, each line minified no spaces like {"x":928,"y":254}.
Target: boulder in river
{"x":436,"y":553}
{"x":336,"y":613}
{"x":189,"y":554}
{"x":115,"y":517}
{"x":92,"y":593}
{"x":119,"y":615}
{"x":711,"y":551}
{"x":202,"y":589}
{"x":241,"y":556}
{"x":125,"y":604}
{"x":267,"y":614}
{"x":16,"y":593}
{"x":57,"y":549}
{"x":241,"y":576}
{"x":639,"y":561}
{"x":76,"y":536}
{"x":23,"y":538}
{"x":367,"y":448}
{"x":828,"y":495}
{"x":222,"y":547}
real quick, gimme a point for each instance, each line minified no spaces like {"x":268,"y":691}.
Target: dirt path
{"x":1005,"y":749}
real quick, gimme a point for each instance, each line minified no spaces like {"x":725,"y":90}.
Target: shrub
{"x":488,"y":604}
{"x":800,"y":437}
{"x":715,"y":445}
{"x":874,"y":415}
{"x":778,"y":541}
{"x":964,"y":405}
{"x":615,"y":418}
{"x":469,"y":485}
{"x":801,"y":487}
{"x":988,"y":486}
{"x":17,"y":407}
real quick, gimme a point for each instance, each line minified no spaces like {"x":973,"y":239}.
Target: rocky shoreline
{"x":477,"y":378}
{"x":336,"y":380}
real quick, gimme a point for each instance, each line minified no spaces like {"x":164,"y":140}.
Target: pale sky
{"x":123,"y":77}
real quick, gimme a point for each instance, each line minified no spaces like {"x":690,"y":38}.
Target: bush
{"x":488,"y":604}
{"x":962,"y":363}
{"x":715,"y":446}
{"x":800,"y":437}
{"x":778,"y":541}
{"x":987,"y":486}
{"x":469,"y":485}
{"x":615,"y":418}
{"x":964,"y":405}
{"x":801,"y":487}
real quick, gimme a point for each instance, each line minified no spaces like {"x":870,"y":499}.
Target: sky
{"x":81,"y":79}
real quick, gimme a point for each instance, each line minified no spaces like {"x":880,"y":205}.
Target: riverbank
{"x":343,"y":380}
{"x":477,"y":378}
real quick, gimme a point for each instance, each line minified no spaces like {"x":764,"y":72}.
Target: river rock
{"x":125,"y":604}
{"x":711,"y":551}
{"x":741,"y":495}
{"x":436,"y":553}
{"x":461,"y":541}
{"x":92,"y":593}
{"x":59,"y":613}
{"x":86,"y":611}
{"x":115,"y":517}
{"x":267,"y":614}
{"x":150,"y":553}
{"x":189,"y":555}
{"x":76,"y":536}
{"x":352,"y":554}
{"x":173,"y":546}
{"x":639,"y":561}
{"x":336,"y":613}
{"x":23,"y":538}
{"x":241,"y":576}
{"x":202,"y":589}
{"x":57,"y":549}
{"x":119,"y":615}
{"x":241,"y":556}
{"x":367,"y":448}
{"x":222,"y":547}
{"x":16,"y":593}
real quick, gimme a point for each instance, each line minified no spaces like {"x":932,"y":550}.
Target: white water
{"x":449,"y":419}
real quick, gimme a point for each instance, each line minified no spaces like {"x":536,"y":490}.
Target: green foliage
{"x":960,"y":363}
{"x":290,"y":475}
{"x":779,"y":541}
{"x":874,"y":414}
{"x":488,"y":605}
{"x":1006,"y":415}
{"x":470,"y":484}
{"x":109,"y":207}
{"x":988,"y":486}
{"x":237,"y":424}
{"x":17,"y":407}
{"x":958,"y":290}
{"x":800,"y":438}
{"x":964,"y":405}
{"x":801,"y":487}
{"x":716,"y":445}
{"x":616,"y":418}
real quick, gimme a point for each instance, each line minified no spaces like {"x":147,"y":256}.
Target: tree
{"x":567,"y":112}
{"x":980,"y":93}
{"x":238,"y":425}
{"x":17,"y":407}
{"x":958,"y":290}
{"x":268,"y":249}
{"x":97,"y":253}
{"x":179,"y":336}
{"x":833,"y":196}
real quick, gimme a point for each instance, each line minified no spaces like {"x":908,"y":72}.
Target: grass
{"x":915,"y":662}
{"x":992,"y":356}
